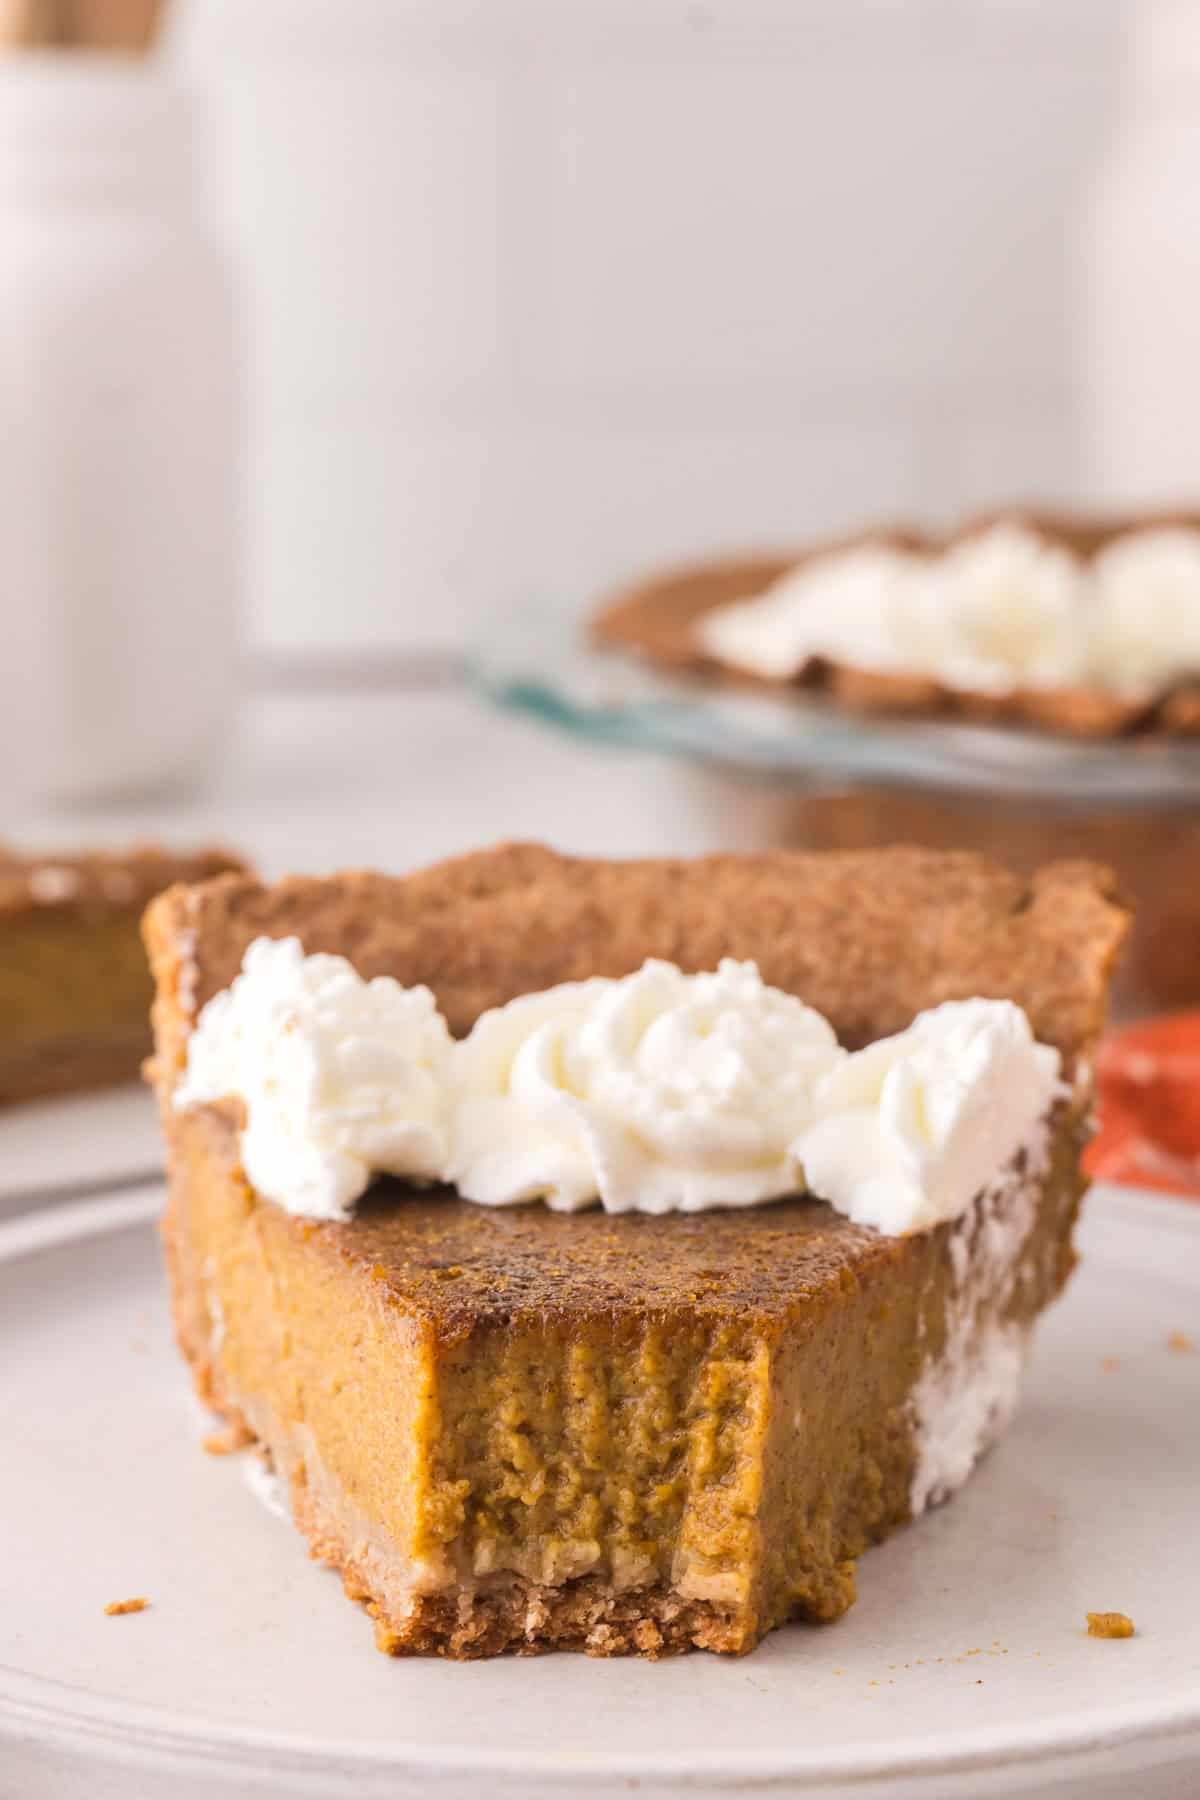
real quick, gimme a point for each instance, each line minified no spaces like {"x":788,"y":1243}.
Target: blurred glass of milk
{"x":117,"y":423}
{"x":1140,"y":265}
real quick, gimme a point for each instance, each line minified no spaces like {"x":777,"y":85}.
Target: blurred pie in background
{"x":1069,"y":625}
{"x":1051,"y":626}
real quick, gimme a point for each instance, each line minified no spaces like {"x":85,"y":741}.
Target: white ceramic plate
{"x":54,"y":1149}
{"x":964,"y":1669}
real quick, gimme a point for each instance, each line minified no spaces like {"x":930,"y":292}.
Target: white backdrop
{"x":543,"y":290}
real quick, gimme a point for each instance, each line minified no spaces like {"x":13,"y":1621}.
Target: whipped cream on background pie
{"x":1002,"y":610}
{"x":1088,"y":627}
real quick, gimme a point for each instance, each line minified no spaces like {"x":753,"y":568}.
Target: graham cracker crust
{"x":868,"y":937}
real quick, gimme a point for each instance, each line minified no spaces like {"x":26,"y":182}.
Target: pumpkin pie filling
{"x":517,"y":1429}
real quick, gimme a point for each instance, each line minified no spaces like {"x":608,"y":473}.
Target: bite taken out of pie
{"x":524,"y":1420}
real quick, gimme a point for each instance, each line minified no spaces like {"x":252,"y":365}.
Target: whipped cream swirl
{"x":914,"y":1126}
{"x":658,"y":1092}
{"x":662,"y":1092}
{"x":999,"y":611}
{"x":340,"y":1078}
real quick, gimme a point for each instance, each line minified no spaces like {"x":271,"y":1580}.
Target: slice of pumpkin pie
{"x":74,"y":987}
{"x":605,"y":1255}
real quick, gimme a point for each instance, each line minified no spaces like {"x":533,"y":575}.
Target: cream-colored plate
{"x":964,"y":1670}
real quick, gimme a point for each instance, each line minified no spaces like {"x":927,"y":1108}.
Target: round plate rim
{"x":548,"y":673}
{"x":72,"y":1717}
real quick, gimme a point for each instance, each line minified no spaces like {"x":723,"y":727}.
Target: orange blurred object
{"x":1148,"y":1077}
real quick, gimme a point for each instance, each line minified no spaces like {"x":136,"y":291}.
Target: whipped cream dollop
{"x":1148,"y":612}
{"x":661,"y":1092}
{"x":1006,"y":610}
{"x":340,"y":1078}
{"x":657,"y":1092}
{"x":1001,"y":610}
{"x":914,"y":1126}
{"x":859,"y":607}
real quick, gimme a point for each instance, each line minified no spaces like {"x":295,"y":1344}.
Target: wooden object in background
{"x":119,"y":25}
{"x":1154,"y":852}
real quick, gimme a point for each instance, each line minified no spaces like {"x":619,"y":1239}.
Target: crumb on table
{"x":116,"y":1607}
{"x":1109,"y":1625}
{"x":1110,"y":1364}
{"x":1179,"y":1340}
